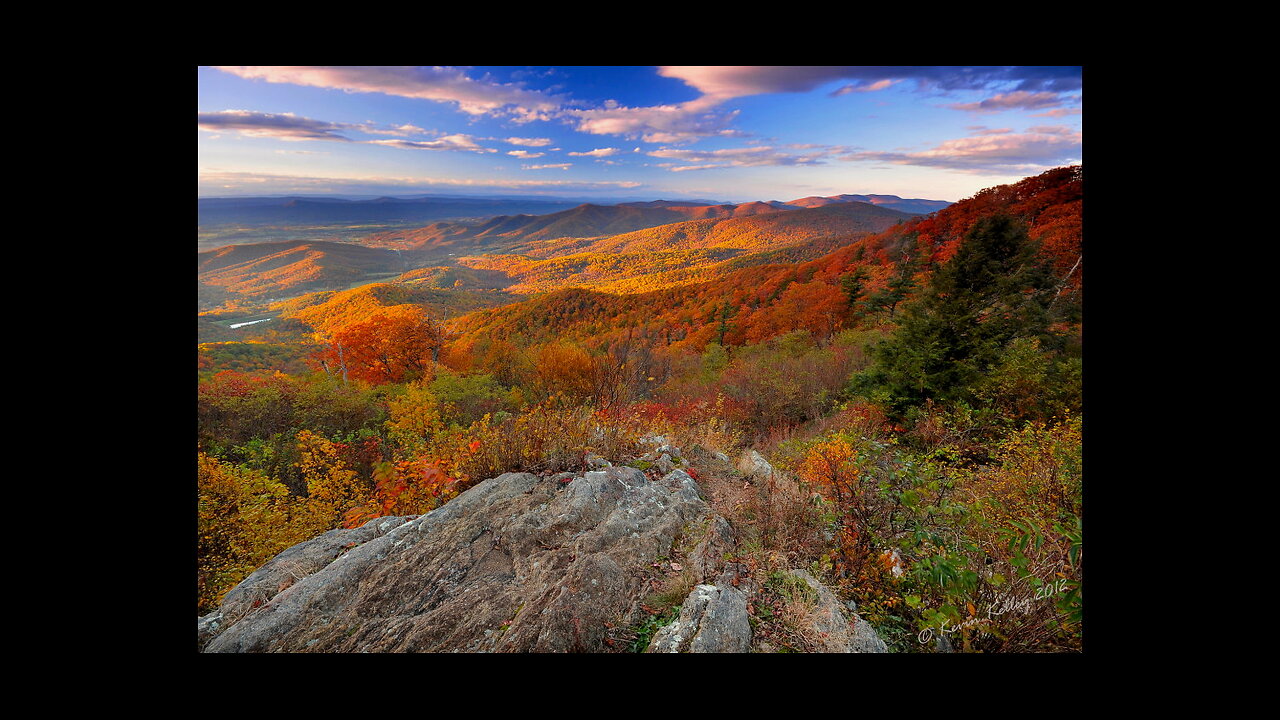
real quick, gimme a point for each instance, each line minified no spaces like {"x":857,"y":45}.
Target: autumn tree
{"x":399,"y":344}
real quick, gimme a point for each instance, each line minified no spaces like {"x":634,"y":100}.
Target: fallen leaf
{"x":676,"y":566}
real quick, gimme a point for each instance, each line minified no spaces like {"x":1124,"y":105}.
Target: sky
{"x":722,"y":133}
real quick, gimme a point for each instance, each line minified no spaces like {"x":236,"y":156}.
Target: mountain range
{"x":612,"y":244}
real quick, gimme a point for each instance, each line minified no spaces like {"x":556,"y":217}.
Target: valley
{"x":341,"y":382}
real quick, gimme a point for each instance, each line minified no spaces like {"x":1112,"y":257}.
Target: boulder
{"x":839,"y":633}
{"x":753,"y":465}
{"x":712,"y":619}
{"x":664,"y":464}
{"x":517,"y":563}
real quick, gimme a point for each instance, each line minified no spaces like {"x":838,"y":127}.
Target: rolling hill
{"x":289,"y":268}
{"x":765,"y":300}
{"x":631,"y":241}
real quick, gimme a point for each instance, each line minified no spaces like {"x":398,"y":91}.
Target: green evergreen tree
{"x":853,"y":283}
{"x":898,"y":287}
{"x":995,"y":289}
{"x":726,"y":312}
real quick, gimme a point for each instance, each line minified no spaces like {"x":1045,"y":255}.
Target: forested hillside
{"x":915,"y":381}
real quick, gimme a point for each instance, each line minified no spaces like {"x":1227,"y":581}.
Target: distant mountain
{"x":584,"y":221}
{"x":915,"y":206}
{"x":540,"y":252}
{"x":672,"y":203}
{"x":680,"y":253}
{"x":762,"y":228}
{"x":320,"y":210}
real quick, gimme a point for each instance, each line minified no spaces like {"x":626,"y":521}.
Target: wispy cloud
{"x":440,"y":84}
{"x":525,"y":154}
{"x":740,"y":80}
{"x":863,"y":86}
{"x":446,"y":142}
{"x":401,"y":130}
{"x":1034,"y":87}
{"x":286,"y":126}
{"x":597,"y":153}
{"x":1059,"y":112}
{"x":528,"y":142}
{"x":742,"y":157}
{"x":1036,"y":149}
{"x":281,"y":126}
{"x":555,"y":166}
{"x":1019,"y":100}
{"x":219,"y":181}
{"x":656,"y":124}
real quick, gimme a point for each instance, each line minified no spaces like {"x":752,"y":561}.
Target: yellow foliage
{"x":331,"y":486}
{"x":244,"y":519}
{"x":1038,"y":473}
{"x":415,"y":419}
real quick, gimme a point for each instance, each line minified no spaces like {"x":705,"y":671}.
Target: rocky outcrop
{"x":713,"y":619}
{"x":838,"y":632}
{"x":518,"y":563}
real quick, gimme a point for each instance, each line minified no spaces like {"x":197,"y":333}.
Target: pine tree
{"x":995,"y":289}
{"x":898,"y":287}
{"x":853,"y":283}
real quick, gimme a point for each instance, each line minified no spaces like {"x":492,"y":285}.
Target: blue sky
{"x":726,"y":133}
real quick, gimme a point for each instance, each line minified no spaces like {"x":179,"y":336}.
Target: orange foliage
{"x":398,"y":344}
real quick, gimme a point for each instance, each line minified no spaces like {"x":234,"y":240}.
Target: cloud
{"x":439,"y":84}
{"x":1059,"y":112}
{"x":557,"y":166}
{"x":281,"y":126}
{"x":656,"y":124}
{"x":528,"y":142}
{"x":702,"y":117}
{"x":728,"y":81}
{"x":215,"y":181}
{"x":1035,"y":150}
{"x":686,"y":168}
{"x":401,"y":130}
{"x":446,"y":142}
{"x":862,"y":86}
{"x":984,"y":130}
{"x":1019,"y":100}
{"x":597,"y":153}
{"x":755,"y":156}
{"x":287,"y":126}
{"x":525,"y":154}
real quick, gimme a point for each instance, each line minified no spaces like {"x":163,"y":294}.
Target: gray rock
{"x":712,"y":620}
{"x":296,"y":563}
{"x":664,"y":464}
{"x":839,"y":633}
{"x":753,"y":465}
{"x":707,"y":560}
{"x":517,"y":563}
{"x":595,"y":462}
